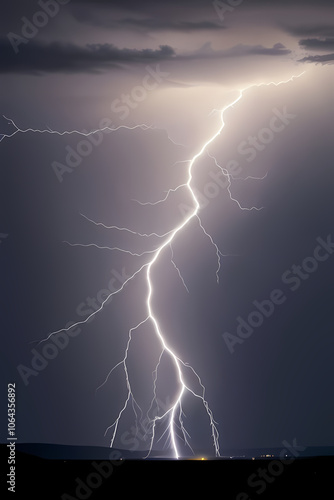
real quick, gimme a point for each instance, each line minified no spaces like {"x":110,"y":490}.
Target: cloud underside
{"x":321,"y":59}
{"x":95,"y":18}
{"x":320,"y":38}
{"x":318,"y":43}
{"x":39,"y":57}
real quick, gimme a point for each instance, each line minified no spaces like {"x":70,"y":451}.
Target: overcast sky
{"x":161,"y":73}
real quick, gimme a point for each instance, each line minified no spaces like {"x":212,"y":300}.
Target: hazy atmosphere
{"x":167,"y":209}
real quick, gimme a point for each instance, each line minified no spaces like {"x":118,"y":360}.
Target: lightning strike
{"x":177,"y":407}
{"x":177,"y":269}
{"x":89,"y":245}
{"x":144,"y":235}
{"x":174,"y":413}
{"x":153,"y":203}
{"x":18,"y":130}
{"x":230,"y":178}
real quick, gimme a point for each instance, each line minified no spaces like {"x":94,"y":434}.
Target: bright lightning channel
{"x":175,"y":412}
{"x":151,"y":316}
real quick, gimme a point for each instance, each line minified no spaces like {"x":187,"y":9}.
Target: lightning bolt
{"x":18,"y":130}
{"x":174,"y":414}
{"x":177,"y":407}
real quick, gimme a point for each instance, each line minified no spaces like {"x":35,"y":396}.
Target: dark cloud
{"x":240,"y":50}
{"x":41,"y":57}
{"x":277,"y":50}
{"x":317,"y":44}
{"x":185,"y":15}
{"x":185,"y":26}
{"x":99,"y":18}
{"x":311,"y":30}
{"x":324,"y":59}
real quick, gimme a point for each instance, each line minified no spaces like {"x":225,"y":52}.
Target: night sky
{"x":155,"y":76}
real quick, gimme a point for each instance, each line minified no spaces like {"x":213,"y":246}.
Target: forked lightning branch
{"x":172,"y":418}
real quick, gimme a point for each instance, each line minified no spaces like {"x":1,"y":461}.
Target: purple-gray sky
{"x":172,"y":66}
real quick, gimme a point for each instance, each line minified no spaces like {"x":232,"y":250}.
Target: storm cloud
{"x":323,"y":59}
{"x":317,"y":43}
{"x":43,"y":57}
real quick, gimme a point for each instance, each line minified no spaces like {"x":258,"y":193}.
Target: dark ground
{"x":228,"y":479}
